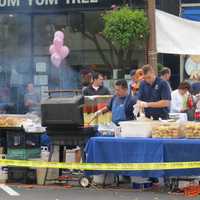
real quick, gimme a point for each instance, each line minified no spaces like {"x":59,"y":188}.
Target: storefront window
{"x":81,"y":37}
{"x":15,"y":68}
{"x":24,"y":45}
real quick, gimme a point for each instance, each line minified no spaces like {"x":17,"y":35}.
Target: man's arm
{"x":139,"y":94}
{"x":165,"y":98}
{"x":105,"y":109}
{"x":158,"y":104}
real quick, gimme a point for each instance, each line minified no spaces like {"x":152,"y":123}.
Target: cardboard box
{"x":72,"y":155}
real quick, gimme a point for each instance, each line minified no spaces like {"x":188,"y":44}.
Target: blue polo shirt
{"x":159,"y":90}
{"x":128,"y":102}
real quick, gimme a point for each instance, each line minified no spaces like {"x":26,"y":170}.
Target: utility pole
{"x":151,"y":51}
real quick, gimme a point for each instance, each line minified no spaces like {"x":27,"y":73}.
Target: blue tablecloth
{"x":144,"y":150}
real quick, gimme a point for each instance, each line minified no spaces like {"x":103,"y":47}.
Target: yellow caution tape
{"x":101,"y":166}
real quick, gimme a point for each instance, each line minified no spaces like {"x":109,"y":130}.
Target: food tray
{"x":8,"y":121}
{"x":167,"y":130}
{"x":192,"y":130}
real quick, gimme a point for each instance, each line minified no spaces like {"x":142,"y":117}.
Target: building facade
{"x":27,"y":28}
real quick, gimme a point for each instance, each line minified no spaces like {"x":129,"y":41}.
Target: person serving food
{"x":121,"y":104}
{"x":154,"y":95}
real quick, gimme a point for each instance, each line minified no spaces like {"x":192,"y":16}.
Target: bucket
{"x":3,"y":171}
{"x":99,"y":179}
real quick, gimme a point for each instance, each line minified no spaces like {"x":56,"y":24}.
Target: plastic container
{"x":167,"y":130}
{"x":192,"y":130}
{"x":20,"y":139}
{"x":136,"y":129}
{"x":21,"y":175}
{"x":182,"y":117}
{"x":22,"y":153}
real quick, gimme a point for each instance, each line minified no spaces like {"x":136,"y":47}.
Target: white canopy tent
{"x":175,"y":35}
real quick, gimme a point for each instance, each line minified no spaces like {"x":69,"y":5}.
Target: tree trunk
{"x":94,"y":39}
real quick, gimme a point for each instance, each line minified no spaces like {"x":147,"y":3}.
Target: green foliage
{"x":160,"y":67}
{"x":126,"y":27}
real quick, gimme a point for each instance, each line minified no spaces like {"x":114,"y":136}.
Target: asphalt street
{"x":84,"y":194}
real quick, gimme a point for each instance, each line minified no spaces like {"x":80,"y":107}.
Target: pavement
{"x":60,"y":193}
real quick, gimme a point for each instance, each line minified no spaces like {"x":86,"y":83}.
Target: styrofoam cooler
{"x":135,"y":129}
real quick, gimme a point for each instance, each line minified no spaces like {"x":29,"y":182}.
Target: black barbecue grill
{"x":63,"y":117}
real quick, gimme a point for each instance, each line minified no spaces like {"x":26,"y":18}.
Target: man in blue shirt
{"x":154,"y":95}
{"x":121,"y":104}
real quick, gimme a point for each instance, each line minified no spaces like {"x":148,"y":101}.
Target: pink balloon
{"x":56,"y":59}
{"x":64,"y":52}
{"x":59,"y":34}
{"x":52,"y":49}
{"x":58,"y":42}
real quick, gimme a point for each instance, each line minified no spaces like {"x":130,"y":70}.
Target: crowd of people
{"x":150,"y":93}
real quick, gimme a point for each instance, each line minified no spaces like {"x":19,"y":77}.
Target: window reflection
{"x":24,"y":53}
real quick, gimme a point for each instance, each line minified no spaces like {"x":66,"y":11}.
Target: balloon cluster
{"x":57,"y":50}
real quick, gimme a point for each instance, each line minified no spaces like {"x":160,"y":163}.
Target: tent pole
{"x":181,"y":56}
{"x":181,"y":68}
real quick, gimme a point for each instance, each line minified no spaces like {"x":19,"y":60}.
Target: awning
{"x":175,"y":35}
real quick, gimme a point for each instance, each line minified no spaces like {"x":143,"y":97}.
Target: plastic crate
{"x":21,"y":139}
{"x":21,"y":175}
{"x":192,"y":191}
{"x":23,"y":154}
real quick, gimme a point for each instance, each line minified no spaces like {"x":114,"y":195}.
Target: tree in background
{"x":121,"y":29}
{"x":160,"y":67}
{"x":125,"y":29}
